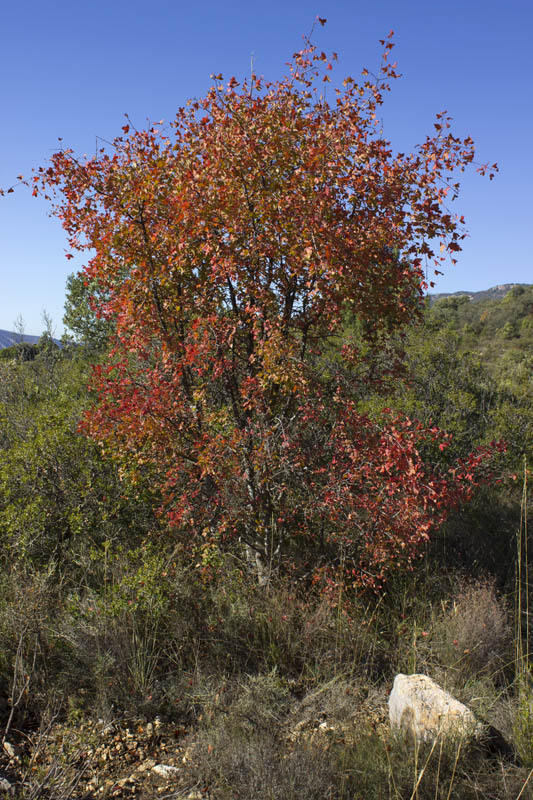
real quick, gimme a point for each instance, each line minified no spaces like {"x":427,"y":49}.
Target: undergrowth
{"x":282,"y":693}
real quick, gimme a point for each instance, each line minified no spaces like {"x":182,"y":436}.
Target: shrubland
{"x":106,"y":614}
{"x":264,"y":479}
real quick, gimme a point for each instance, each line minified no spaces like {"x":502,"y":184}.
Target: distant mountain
{"x":8,"y":338}
{"x":494,"y":293}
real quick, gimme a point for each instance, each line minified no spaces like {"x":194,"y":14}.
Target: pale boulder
{"x":422,"y":711}
{"x":165,"y":770}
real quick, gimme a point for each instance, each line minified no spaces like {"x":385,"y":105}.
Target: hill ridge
{"x":493,"y":293}
{"x":9,"y":338}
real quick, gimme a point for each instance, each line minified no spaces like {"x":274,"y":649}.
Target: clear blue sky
{"x":72,"y":69}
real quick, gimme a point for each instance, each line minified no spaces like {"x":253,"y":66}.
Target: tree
{"x":20,"y":327}
{"x":82,"y":299}
{"x":231,"y":249}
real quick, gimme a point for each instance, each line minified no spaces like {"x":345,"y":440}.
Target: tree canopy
{"x":229,"y":251}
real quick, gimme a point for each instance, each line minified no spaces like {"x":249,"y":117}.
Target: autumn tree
{"x":232,"y":248}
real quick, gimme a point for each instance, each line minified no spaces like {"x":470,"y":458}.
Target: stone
{"x":325,"y":727}
{"x":146,"y":765}
{"x":10,"y":750}
{"x":422,"y":711}
{"x":165,"y":770}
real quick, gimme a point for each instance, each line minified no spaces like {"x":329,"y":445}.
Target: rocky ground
{"x":333,"y":742}
{"x":97,"y":759}
{"x":90,"y":760}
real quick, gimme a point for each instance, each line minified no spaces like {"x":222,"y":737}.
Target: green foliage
{"x":80,"y":318}
{"x":58,"y":496}
{"x":470,"y":372}
{"x":508,"y":331}
{"x":454,"y":390}
{"x":22,"y":351}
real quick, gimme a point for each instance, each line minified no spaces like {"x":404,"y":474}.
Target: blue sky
{"x":72,"y":69}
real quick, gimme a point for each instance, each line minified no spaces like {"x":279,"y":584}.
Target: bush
{"x":473,"y":635}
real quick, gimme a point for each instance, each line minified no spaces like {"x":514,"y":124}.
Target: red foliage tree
{"x":233,"y":247}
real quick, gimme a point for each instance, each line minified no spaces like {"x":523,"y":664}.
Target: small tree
{"x":20,"y":328}
{"x":81,"y":316}
{"x":232,"y":249}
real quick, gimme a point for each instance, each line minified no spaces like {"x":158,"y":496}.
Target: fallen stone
{"x":165,"y":770}
{"x":10,"y":750}
{"x":146,"y":765}
{"x":324,"y":727}
{"x":422,"y":711}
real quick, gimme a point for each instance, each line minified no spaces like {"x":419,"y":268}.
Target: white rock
{"x":165,"y":770}
{"x":422,"y":710}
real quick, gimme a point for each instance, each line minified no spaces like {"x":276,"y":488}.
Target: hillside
{"x":494,"y":293}
{"x":10,"y":338}
{"x":470,"y":367}
{"x":497,"y":324}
